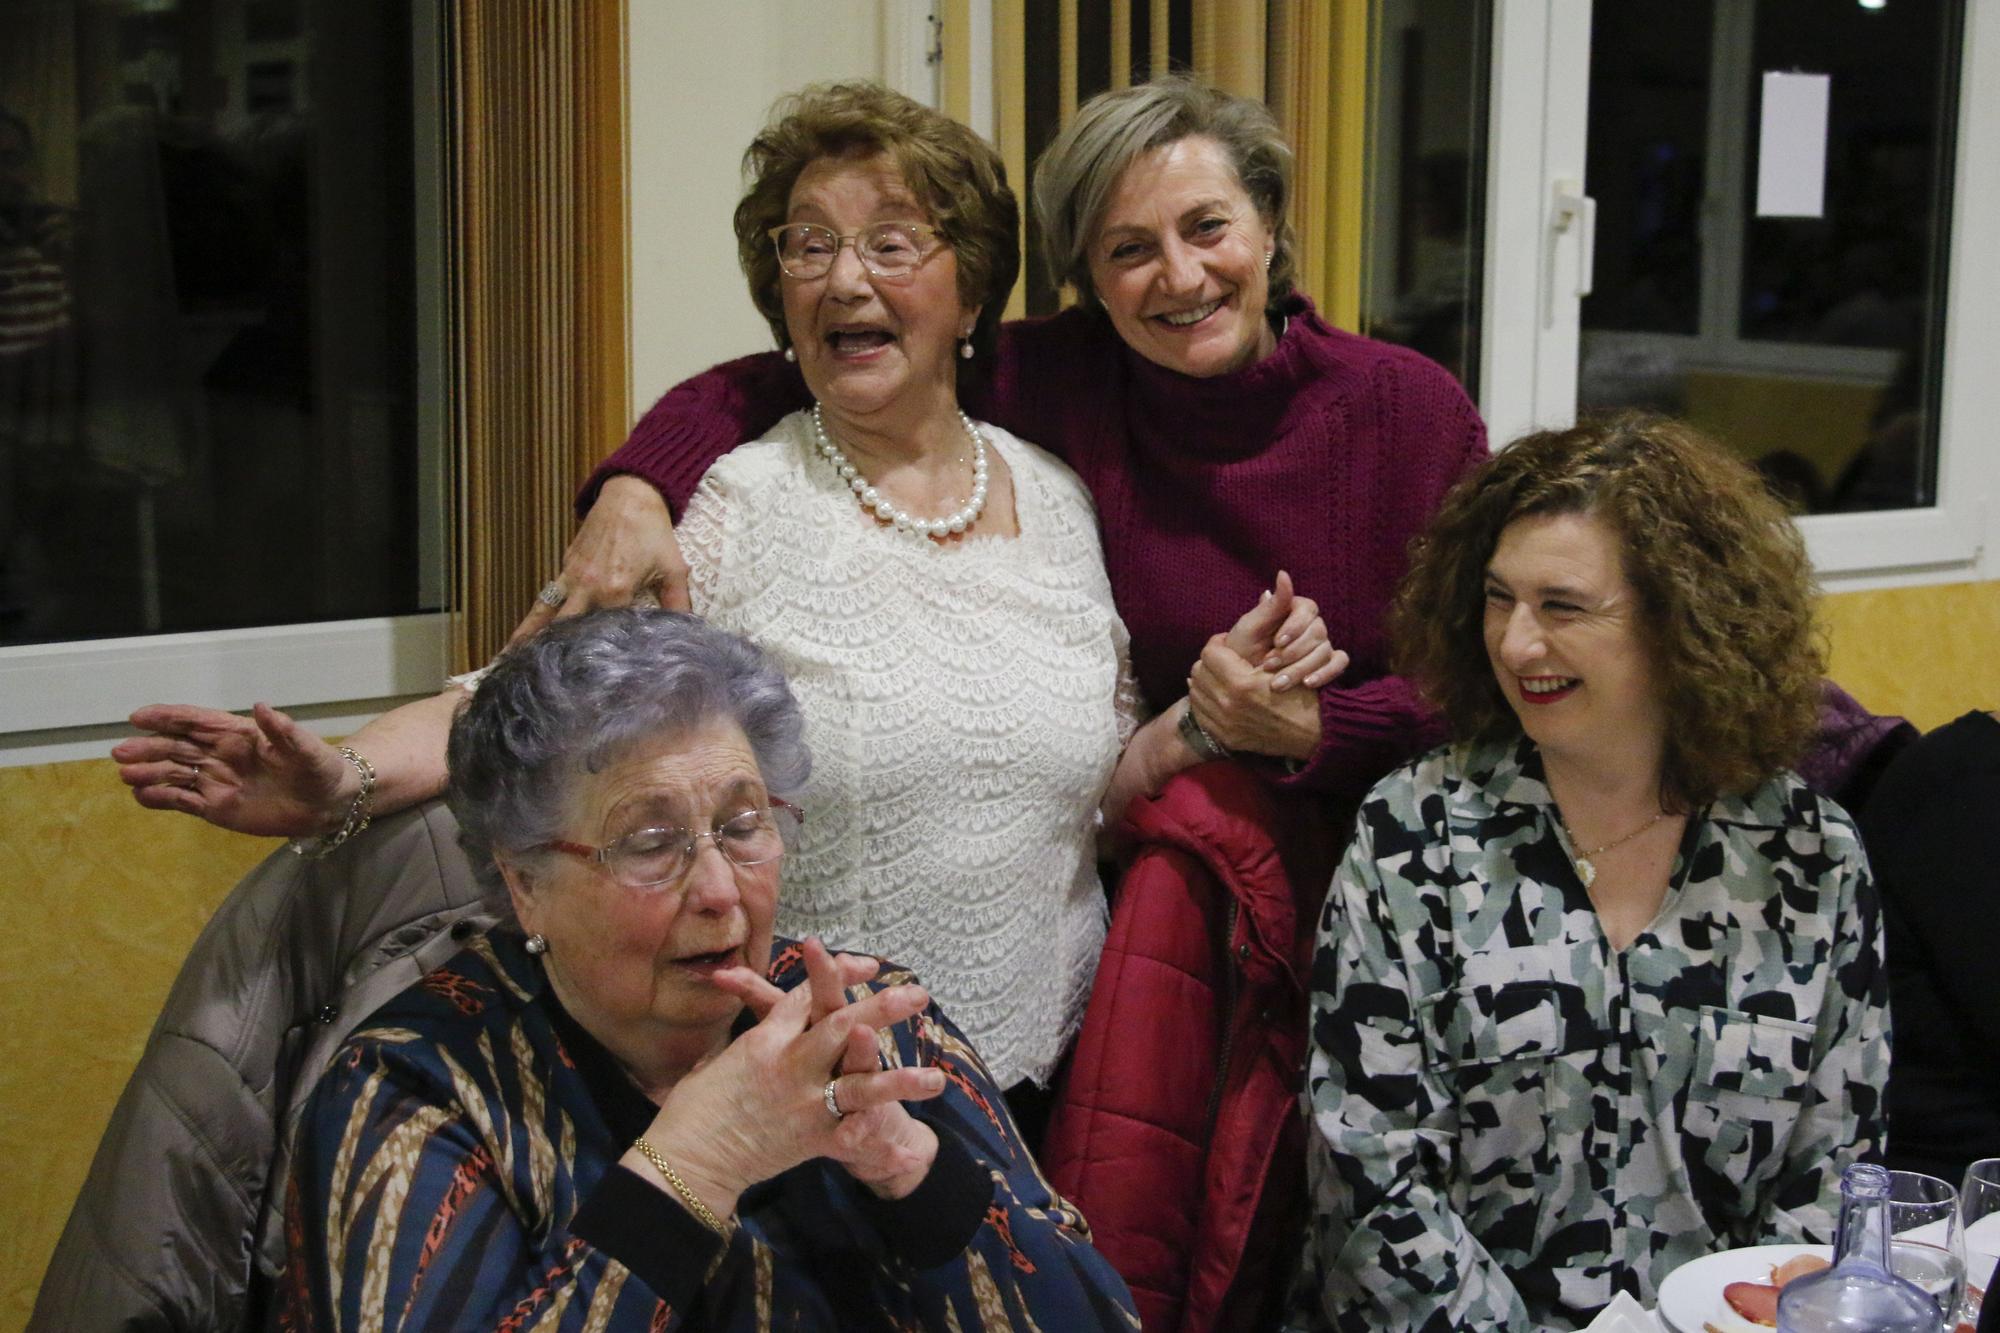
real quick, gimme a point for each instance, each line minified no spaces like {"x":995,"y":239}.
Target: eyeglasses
{"x":887,"y":249}
{"x":649,"y":857}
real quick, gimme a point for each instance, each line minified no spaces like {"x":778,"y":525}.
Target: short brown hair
{"x":1077,"y":173}
{"x":1725,"y":590}
{"x":955,"y":175}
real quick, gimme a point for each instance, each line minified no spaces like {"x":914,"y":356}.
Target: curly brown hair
{"x":1724,"y":585}
{"x":956,"y":175}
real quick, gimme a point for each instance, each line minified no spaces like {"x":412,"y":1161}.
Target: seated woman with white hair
{"x":620,"y":1115}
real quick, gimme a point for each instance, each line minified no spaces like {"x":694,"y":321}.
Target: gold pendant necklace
{"x":1580,"y":857}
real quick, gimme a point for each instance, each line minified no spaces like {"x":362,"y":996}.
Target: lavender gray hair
{"x":582,"y":693}
{"x":1077,"y":173}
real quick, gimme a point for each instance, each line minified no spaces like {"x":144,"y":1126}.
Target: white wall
{"x":702,"y":77}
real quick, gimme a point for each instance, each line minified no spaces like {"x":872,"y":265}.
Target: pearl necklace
{"x":886,"y":510}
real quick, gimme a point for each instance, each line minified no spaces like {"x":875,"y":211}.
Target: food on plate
{"x":1757,"y":1302}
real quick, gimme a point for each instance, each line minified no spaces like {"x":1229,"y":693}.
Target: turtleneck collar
{"x":1240,"y":409}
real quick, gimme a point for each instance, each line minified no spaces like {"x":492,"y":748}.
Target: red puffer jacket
{"x":1177,"y":1130}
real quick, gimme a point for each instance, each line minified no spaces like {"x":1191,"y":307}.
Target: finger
{"x":857,"y":968}
{"x":1299,"y":612}
{"x":825,"y":1042}
{"x":1261,"y":620}
{"x":165,"y":773}
{"x":184,"y":799}
{"x":584,"y":598}
{"x":1300,"y":672}
{"x":533,"y":623}
{"x":756,"y":992}
{"x":1336,"y":664}
{"x":1224,"y":662}
{"x":787,"y":1017}
{"x":185,"y":720}
{"x":154,"y":749}
{"x":673,"y":593}
{"x":863,"y":1092}
{"x":1301,"y":647}
{"x":285,"y":735}
{"x":862,"y":1053}
{"x":824,"y":978}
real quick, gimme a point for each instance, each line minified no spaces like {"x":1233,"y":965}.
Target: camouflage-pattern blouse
{"x":1510,"y":1122}
{"x":456,"y":1169}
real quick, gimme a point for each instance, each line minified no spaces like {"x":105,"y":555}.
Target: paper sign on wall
{"x":1791,"y":146}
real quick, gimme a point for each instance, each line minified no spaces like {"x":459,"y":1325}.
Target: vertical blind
{"x":1307,"y":59}
{"x":537,"y":292}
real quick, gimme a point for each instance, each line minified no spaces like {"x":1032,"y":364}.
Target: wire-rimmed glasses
{"x":806,"y":250}
{"x":650,"y":857}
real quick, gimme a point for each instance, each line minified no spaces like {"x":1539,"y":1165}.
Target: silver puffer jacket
{"x":179,"y":1224}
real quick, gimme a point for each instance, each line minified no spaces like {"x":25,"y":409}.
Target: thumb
{"x":533,"y":623}
{"x":280,"y":732}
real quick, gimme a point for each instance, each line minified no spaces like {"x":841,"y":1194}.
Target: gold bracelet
{"x":688,"y":1196}
{"x":359,"y":812}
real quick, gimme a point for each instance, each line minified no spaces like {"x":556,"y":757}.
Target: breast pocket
{"x":1500,"y":1049}
{"x":1746,"y":1086}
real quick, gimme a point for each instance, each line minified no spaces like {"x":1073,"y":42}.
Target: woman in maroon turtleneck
{"x":1224,"y":429}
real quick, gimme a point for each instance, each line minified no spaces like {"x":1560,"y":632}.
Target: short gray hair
{"x":1077,"y":173}
{"x":583,"y":692}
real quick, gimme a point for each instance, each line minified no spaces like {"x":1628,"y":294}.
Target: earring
{"x":1267,"y":259}
{"x":791,"y":354}
{"x":537,"y":944}
{"x":965,"y":349}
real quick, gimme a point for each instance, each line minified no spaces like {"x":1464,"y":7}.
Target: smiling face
{"x":873,"y":350}
{"x":1563,"y":632}
{"x":1180,"y":261}
{"x":635,"y":966}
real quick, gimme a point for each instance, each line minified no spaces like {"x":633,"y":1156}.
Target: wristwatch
{"x":1205,"y":746}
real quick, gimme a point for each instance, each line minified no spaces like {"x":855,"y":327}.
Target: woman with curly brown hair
{"x":1599,"y":986}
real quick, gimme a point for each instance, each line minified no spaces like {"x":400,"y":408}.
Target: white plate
{"x":1692,"y":1294}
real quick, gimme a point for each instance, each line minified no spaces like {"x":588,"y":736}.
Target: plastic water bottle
{"x":1858,"y":1294}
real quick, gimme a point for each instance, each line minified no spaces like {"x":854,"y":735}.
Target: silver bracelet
{"x":1205,"y":746}
{"x":359,"y":812}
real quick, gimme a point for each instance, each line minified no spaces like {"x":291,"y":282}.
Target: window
{"x":218,"y":334}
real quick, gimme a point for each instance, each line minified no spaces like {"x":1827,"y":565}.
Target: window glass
{"x":1423,"y":248}
{"x":208,"y":349}
{"x":1811,"y":344}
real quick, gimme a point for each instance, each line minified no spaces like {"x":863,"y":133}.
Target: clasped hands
{"x":1255,"y":688}
{"x":757,"y":1108}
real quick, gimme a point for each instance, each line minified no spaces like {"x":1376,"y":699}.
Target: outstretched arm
{"x":626,"y":542}
{"x":267,"y":775}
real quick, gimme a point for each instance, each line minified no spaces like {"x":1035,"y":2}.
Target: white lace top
{"x":965,"y":705}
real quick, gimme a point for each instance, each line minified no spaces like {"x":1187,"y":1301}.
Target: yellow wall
{"x":101,"y":900}
{"x":1928,"y":654}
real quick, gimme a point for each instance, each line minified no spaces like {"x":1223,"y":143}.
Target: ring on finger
{"x":831,"y":1094}
{"x":553,"y":593}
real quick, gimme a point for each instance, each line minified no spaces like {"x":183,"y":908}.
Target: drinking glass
{"x":1979,"y":1231}
{"x":1926,"y":1246}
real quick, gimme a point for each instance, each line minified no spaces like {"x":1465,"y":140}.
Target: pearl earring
{"x":537,"y":944}
{"x":791,"y":354}
{"x":965,"y":350}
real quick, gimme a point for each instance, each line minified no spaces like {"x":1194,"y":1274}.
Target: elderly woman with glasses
{"x":932,"y":585}
{"x":641,"y":1109}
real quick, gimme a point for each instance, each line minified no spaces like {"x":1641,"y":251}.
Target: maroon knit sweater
{"x":1324,"y":459}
